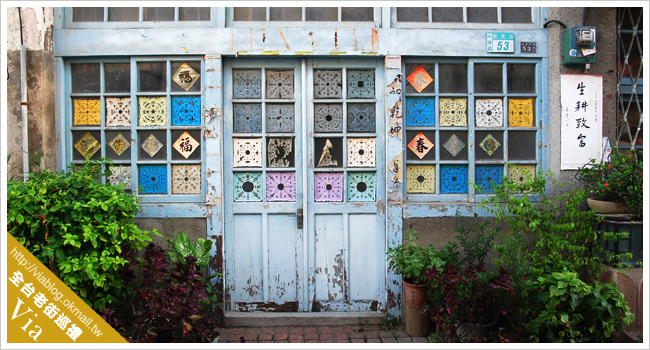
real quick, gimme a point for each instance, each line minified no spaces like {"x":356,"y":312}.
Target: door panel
{"x":304,"y":136}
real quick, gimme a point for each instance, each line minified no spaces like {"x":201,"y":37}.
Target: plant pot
{"x":469,"y":331}
{"x":414,"y":294}
{"x":605,"y":207}
{"x":417,"y":322}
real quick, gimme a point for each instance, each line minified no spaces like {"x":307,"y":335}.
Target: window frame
{"x":133,"y":94}
{"x":540,"y":119}
{"x":141,"y":23}
{"x":535,"y":17}
{"x":267,"y":23}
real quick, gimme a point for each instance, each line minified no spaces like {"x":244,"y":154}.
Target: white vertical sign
{"x":582,"y":119}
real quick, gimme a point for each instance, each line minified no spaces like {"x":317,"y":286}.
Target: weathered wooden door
{"x":304,"y":187}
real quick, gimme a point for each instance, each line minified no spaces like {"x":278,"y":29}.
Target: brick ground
{"x":342,"y":334}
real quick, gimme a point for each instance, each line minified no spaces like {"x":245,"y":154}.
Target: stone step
{"x":296,"y":319}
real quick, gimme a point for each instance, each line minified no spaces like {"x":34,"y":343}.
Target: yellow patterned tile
{"x":153,"y":111}
{"x":421,"y":178}
{"x":520,"y":174}
{"x":86,"y":111}
{"x":520,"y":112}
{"x":453,"y":112}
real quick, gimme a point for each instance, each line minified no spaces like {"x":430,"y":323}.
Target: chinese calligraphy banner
{"x":41,"y":309}
{"x":582,"y":119}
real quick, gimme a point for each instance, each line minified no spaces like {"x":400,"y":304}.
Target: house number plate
{"x":528,"y":47}
{"x":500,"y":42}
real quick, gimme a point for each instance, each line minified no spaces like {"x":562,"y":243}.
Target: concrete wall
{"x":194,"y":228}
{"x":37,"y":34}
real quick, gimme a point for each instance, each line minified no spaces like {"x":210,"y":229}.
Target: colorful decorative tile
{"x":454,"y":145}
{"x":328,"y":117}
{"x":280,"y":187}
{"x":521,"y":174}
{"x":186,"y":145}
{"x":153,"y":179}
{"x":489,"y":112}
{"x":151,"y":145}
{"x":153,"y":111}
{"x":247,"y":152}
{"x":120,"y":175}
{"x":247,"y":187}
{"x":279,"y":84}
{"x":87,"y":145}
{"x":186,"y":179}
{"x":421,"y":178}
{"x":520,"y":112}
{"x":280,"y":118}
{"x":420,"y":145}
{"x":118,"y":111}
{"x":453,"y":179}
{"x":361,"y":117}
{"x":328,"y":187}
{"x":328,"y":84}
{"x":280,"y":152}
{"x":247,"y":83}
{"x":420,"y":79}
{"x":486,"y":174}
{"x":119,"y":144}
{"x":247,"y":117}
{"x":489,"y":144}
{"x":326,"y":159}
{"x":87,"y":111}
{"x":453,"y":112}
{"x":361,"y":83}
{"x":186,"y":110}
{"x":362,"y":187}
{"x":361,"y":152}
{"x":420,"y":111}
{"x":185,"y":76}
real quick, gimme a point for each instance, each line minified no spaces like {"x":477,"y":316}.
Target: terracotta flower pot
{"x":415,"y":294}
{"x":605,"y":207}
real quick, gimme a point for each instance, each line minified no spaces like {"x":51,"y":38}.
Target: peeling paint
{"x":251,"y":39}
{"x":336,"y":39}
{"x":374,"y":39}
{"x":354,"y":35}
{"x":290,"y":306}
{"x":264,"y":35}
{"x":381,"y":208}
{"x":311,"y":34}
{"x":283,"y":39}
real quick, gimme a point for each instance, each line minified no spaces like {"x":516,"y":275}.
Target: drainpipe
{"x":23,"y":99}
{"x":23,"y":110}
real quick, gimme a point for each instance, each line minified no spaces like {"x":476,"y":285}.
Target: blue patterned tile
{"x":362,"y":187}
{"x":487,"y":173}
{"x":420,"y":111}
{"x":152,"y":178}
{"x":186,"y":110}
{"x":453,"y":179}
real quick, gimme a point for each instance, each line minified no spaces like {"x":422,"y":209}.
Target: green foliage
{"x":182,"y":247}
{"x":619,"y":180}
{"x":572,"y":310}
{"x":78,"y":227}
{"x":552,"y":242}
{"x":411,"y":260}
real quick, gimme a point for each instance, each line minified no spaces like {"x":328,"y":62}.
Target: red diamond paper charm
{"x":420,"y":79}
{"x":420,"y":145}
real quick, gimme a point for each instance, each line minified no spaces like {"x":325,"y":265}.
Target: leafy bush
{"x":78,"y":227}
{"x":411,"y":260}
{"x":551,"y":239}
{"x":572,"y":310}
{"x":175,"y":300}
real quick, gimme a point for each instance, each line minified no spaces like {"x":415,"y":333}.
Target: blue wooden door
{"x":303,"y":186}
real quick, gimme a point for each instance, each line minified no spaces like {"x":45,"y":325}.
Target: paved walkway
{"x":333,"y":334}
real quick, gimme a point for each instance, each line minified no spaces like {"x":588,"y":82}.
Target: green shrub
{"x":78,"y":227}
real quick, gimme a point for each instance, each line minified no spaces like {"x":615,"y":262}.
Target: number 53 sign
{"x":500,"y":42}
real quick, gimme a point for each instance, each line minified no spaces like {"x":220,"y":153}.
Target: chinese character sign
{"x":582,"y":119}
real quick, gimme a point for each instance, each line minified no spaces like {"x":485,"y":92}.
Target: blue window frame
{"x":145,"y":115}
{"x":470,"y":121}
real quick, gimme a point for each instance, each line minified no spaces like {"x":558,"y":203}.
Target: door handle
{"x":299,"y":218}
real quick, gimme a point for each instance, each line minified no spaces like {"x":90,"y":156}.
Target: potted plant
{"x":174,"y":300}
{"x":618,"y":181}
{"x":616,"y":187}
{"x":411,"y":260}
{"x":465,"y":300}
